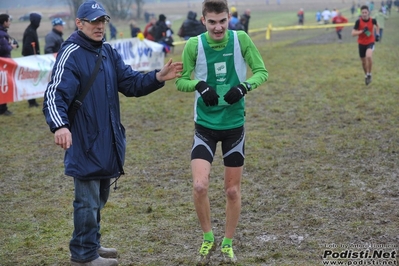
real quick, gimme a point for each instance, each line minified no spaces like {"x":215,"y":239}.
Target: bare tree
{"x":73,"y":9}
{"x":139,"y":4}
{"x":116,"y":8}
{"x":74,"y":6}
{"x":121,"y":9}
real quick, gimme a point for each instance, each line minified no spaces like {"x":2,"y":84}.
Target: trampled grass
{"x":321,"y":166}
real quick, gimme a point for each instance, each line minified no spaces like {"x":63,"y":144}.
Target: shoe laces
{"x":228,"y":250}
{"x":206,"y":247}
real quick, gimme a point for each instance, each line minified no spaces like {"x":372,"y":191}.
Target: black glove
{"x":377,"y":37}
{"x":365,"y":29}
{"x":208,"y":94}
{"x":235,"y":94}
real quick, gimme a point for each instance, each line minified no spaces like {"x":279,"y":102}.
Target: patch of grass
{"x":321,"y":166}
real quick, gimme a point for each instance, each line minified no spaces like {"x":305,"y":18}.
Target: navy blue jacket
{"x":5,"y":46}
{"x":98,"y":137}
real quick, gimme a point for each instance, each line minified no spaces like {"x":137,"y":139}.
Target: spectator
{"x":169,"y":31}
{"x":241,"y":24}
{"x":247,"y":16}
{"x":389,"y":6}
{"x":53,"y":39}
{"x":233,"y":20}
{"x":396,"y":3}
{"x":113,"y":31}
{"x":353,"y":8}
{"x":134,"y":29}
{"x":30,"y":43}
{"x":371,"y":7}
{"x":167,"y":41}
{"x":301,"y":16}
{"x":99,"y":141}
{"x":191,"y":26}
{"x":334,"y":12}
{"x":6,"y":45}
{"x":326,"y":14}
{"x":147,"y":16}
{"x":160,"y":28}
{"x":318,"y":17}
{"x":380,"y":17}
{"x":148,"y":29}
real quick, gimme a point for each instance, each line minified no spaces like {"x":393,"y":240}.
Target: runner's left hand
{"x":235,"y":94}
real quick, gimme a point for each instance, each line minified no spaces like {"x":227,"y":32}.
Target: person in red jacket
{"x":339,"y":19}
{"x":147,"y":29}
{"x":364,"y":29}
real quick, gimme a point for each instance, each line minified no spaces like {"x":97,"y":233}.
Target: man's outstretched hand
{"x":170,"y":71}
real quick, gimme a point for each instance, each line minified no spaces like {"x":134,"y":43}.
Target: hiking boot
{"x":97,"y":262}
{"x":107,"y":252}
{"x":6,"y":113}
{"x":228,"y":255}
{"x":205,"y":251}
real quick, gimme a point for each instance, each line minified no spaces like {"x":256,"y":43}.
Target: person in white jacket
{"x":326,"y":14}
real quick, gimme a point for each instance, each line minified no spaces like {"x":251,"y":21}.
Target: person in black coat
{"x":160,"y":28}
{"x":134,"y":29}
{"x":247,"y":16}
{"x":30,"y":43}
{"x":191,"y":26}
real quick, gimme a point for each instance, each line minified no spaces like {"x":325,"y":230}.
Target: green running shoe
{"x":205,"y":251}
{"x":228,"y":255}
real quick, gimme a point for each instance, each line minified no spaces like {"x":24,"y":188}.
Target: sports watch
{"x":249,"y":87}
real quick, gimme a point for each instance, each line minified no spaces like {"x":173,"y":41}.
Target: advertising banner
{"x":25,"y":78}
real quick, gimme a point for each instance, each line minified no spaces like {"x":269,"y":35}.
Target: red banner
{"x":7,"y":84}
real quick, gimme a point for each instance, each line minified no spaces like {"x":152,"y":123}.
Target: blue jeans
{"x":90,"y":198}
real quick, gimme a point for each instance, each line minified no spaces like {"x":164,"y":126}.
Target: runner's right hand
{"x":208,"y":94}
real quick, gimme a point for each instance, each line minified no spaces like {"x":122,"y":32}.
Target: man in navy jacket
{"x":6,"y":45}
{"x":98,"y":149}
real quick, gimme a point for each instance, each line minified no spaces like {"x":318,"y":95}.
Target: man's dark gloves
{"x":366,"y":29}
{"x":208,"y":94}
{"x":235,"y":94}
{"x":377,"y":37}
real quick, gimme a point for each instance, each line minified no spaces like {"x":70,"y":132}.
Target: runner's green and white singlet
{"x":222,"y":64}
{"x":222,"y":70}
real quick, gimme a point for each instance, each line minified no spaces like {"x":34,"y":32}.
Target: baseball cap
{"x":57,"y":21}
{"x":91,"y":10}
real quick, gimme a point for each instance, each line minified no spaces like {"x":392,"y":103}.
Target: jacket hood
{"x":35,"y":19}
{"x":3,"y":28}
{"x":82,"y":40}
{"x":192,"y":15}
